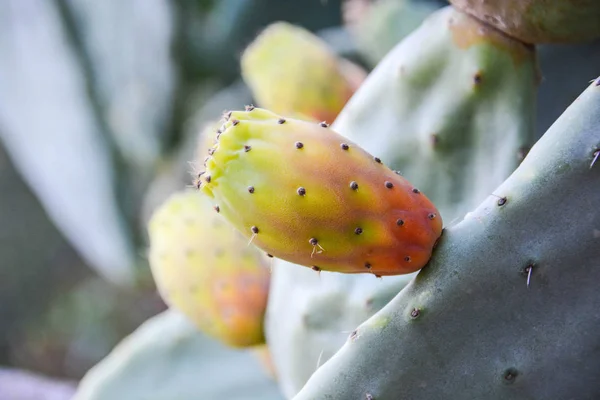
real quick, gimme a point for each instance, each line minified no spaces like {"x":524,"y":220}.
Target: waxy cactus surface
{"x":207,"y":271}
{"x":305,"y":194}
{"x":508,"y":306}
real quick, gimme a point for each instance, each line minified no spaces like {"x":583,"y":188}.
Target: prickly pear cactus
{"x":455,"y":117}
{"x":207,"y":270}
{"x":167,"y":358}
{"x":302,"y":192}
{"x":509,"y":299}
{"x":293,"y":72}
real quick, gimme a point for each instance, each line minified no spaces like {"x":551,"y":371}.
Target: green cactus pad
{"x":454,"y":116}
{"x":303,"y":193}
{"x":508,"y":306}
{"x":167,"y":358}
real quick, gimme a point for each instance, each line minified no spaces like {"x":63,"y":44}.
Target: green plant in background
{"x":312,"y":83}
{"x":504,"y":304}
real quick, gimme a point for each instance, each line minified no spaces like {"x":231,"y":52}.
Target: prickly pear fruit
{"x":304,"y":193}
{"x":207,"y":271}
{"x":293,"y":72}
{"x":263,"y":354}
{"x":539,"y":21}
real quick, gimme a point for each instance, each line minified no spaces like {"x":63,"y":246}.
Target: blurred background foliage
{"x":101,"y":103}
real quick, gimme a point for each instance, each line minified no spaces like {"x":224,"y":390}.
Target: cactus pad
{"x":305,"y":194}
{"x":207,"y":271}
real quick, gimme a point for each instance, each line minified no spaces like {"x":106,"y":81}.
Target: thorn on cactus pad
{"x":354,"y":334}
{"x":299,"y":145}
{"x":367,"y":265}
{"x":510,"y":375}
{"x":250,"y":189}
{"x":254,"y":229}
{"x":415,"y":313}
{"x":597,"y":82}
{"x":207,"y":178}
{"x":269,"y":255}
{"x":432,"y":216}
{"x":522,"y":153}
{"x":527,"y":271}
{"x":313,"y":241}
{"x":389,"y":184}
{"x":369,"y":396}
{"x":377,"y":160}
{"x":235,"y":122}
{"x":398,"y":172}
{"x":281,"y":121}
{"x":353,"y":185}
{"x":344,"y":146}
{"x":502,"y":201}
{"x":217,"y":209}
{"x":377,"y":276}
{"x":415,"y":190}
{"x":227,"y":115}
{"x":407,"y":259}
{"x":477,"y":78}
{"x":249,"y":107}
{"x":358,"y":231}
{"x":399,"y":222}
{"x":324,"y":124}
{"x":301,"y":191}
{"x":247,"y":148}
{"x":211,"y":151}
{"x":315,"y":268}
{"x":596,"y":155}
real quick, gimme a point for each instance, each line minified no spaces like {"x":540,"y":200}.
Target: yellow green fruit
{"x":293,"y":72}
{"x":538,"y":21}
{"x":303,"y":193}
{"x":207,"y":270}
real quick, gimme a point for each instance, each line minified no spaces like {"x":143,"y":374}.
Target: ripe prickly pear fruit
{"x":293,"y":72}
{"x":207,"y":271}
{"x":305,"y":194}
